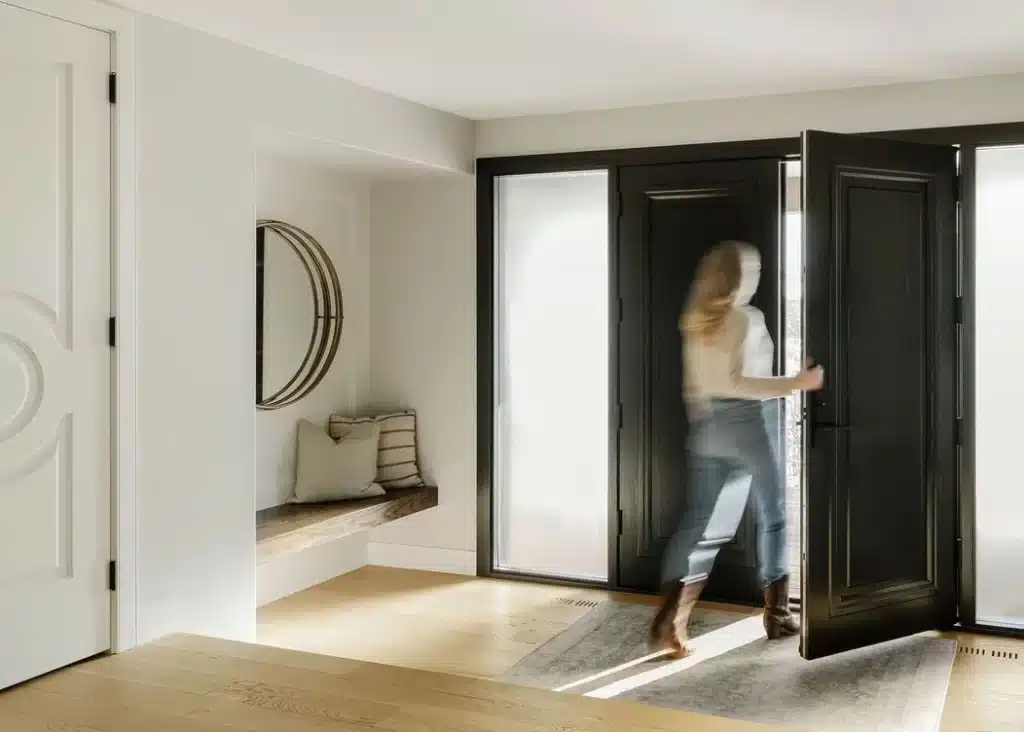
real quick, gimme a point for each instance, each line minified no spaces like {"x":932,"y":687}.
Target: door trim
{"x":966,"y":564}
{"x":119,"y":24}
{"x":487,"y":170}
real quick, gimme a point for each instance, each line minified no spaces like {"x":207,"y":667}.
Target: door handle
{"x":813,"y":429}
{"x":812,"y":425}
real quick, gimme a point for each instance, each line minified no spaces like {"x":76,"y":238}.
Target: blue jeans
{"x":732,"y":451}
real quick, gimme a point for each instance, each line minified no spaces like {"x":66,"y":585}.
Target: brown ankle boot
{"x":663,"y":635}
{"x":778,"y":620}
{"x":687,"y":599}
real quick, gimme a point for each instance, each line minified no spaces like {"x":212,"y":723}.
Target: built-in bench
{"x":295,"y":527}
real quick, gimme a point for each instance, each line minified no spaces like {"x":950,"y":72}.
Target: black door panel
{"x":879,"y":499}
{"x":670,"y":216}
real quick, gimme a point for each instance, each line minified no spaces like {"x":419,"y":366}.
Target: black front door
{"x":669,"y":216}
{"x":879,"y":497}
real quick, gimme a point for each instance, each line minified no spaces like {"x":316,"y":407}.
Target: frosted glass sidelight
{"x":999,"y":402}
{"x":793,"y":351}
{"x":552,"y":356}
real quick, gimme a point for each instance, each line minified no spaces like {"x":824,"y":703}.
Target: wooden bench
{"x":297,"y":526}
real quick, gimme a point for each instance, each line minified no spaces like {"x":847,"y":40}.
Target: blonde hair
{"x":713,"y":292}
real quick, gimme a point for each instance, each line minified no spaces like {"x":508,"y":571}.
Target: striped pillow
{"x":397,"y":466}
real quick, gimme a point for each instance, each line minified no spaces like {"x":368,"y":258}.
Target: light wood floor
{"x":480,"y":628}
{"x":193,"y":684}
{"x":439,"y":632}
{"x":423,"y":620}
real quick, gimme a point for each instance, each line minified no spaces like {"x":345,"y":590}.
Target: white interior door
{"x":55,"y":365}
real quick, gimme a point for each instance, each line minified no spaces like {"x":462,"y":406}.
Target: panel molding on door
{"x":670,"y":215}
{"x":879,"y":500}
{"x":55,"y":362}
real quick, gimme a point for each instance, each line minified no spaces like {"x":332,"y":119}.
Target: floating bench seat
{"x":295,"y":527}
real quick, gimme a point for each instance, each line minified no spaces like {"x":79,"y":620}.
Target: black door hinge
{"x":619,"y":420}
{"x":959,"y":188}
{"x":959,"y":311}
{"x":112,"y":88}
{"x":112,"y":575}
{"x":618,"y":205}
{"x":959,"y":431}
{"x":618,"y":531}
{"x":620,"y":309}
{"x":112,"y":332}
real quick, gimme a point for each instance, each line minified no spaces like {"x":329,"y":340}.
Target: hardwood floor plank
{"x":303,"y":682}
{"x":111,"y":713}
{"x":133,"y":668}
{"x":188,"y":684}
{"x":137,"y":692}
{"x":151,"y":680}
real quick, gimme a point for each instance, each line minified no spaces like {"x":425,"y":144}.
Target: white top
{"x":758,"y":349}
{"x":734,"y":363}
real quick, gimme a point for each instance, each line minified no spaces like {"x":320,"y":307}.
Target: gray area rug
{"x":892,"y":687}
{"x":610,"y":634}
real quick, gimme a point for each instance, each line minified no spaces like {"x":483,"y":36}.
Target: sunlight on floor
{"x":703,"y":648}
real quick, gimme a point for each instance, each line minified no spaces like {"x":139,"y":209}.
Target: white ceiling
{"x":494,"y":58}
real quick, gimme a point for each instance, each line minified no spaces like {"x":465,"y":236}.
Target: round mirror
{"x":299,"y":314}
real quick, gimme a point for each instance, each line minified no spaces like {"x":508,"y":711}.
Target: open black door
{"x":880,"y":240}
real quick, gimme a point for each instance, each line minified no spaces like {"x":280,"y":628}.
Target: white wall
{"x":904,"y":106}
{"x":335,"y":209}
{"x":423,"y":315}
{"x":292,"y":573}
{"x":200,"y":101}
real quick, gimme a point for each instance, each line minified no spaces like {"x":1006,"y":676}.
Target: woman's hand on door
{"x":810,"y":377}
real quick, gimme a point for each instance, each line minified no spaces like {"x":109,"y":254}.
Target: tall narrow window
{"x":793,"y":355}
{"x":999,"y":401}
{"x":552,"y":378}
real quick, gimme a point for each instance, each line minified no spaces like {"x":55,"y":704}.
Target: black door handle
{"x":812,"y":425}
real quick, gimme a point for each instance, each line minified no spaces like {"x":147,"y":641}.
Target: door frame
{"x":487,"y":170}
{"x":967,"y":137}
{"x":120,"y":26}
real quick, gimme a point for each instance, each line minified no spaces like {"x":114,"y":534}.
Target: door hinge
{"x":618,"y":531}
{"x":618,"y":204}
{"x":959,"y":311}
{"x":112,"y":88}
{"x":112,"y":332}
{"x":619,"y":418}
{"x":620,"y":309}
{"x":112,"y":575}
{"x":959,"y":431}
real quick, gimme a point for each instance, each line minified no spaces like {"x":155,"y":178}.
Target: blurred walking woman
{"x":729,"y":393}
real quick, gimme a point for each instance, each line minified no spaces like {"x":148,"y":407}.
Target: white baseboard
{"x":296,"y":572}
{"x":428,"y":558}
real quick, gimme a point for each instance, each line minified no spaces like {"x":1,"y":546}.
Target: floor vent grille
{"x":990,"y":653}
{"x":576,"y":602}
